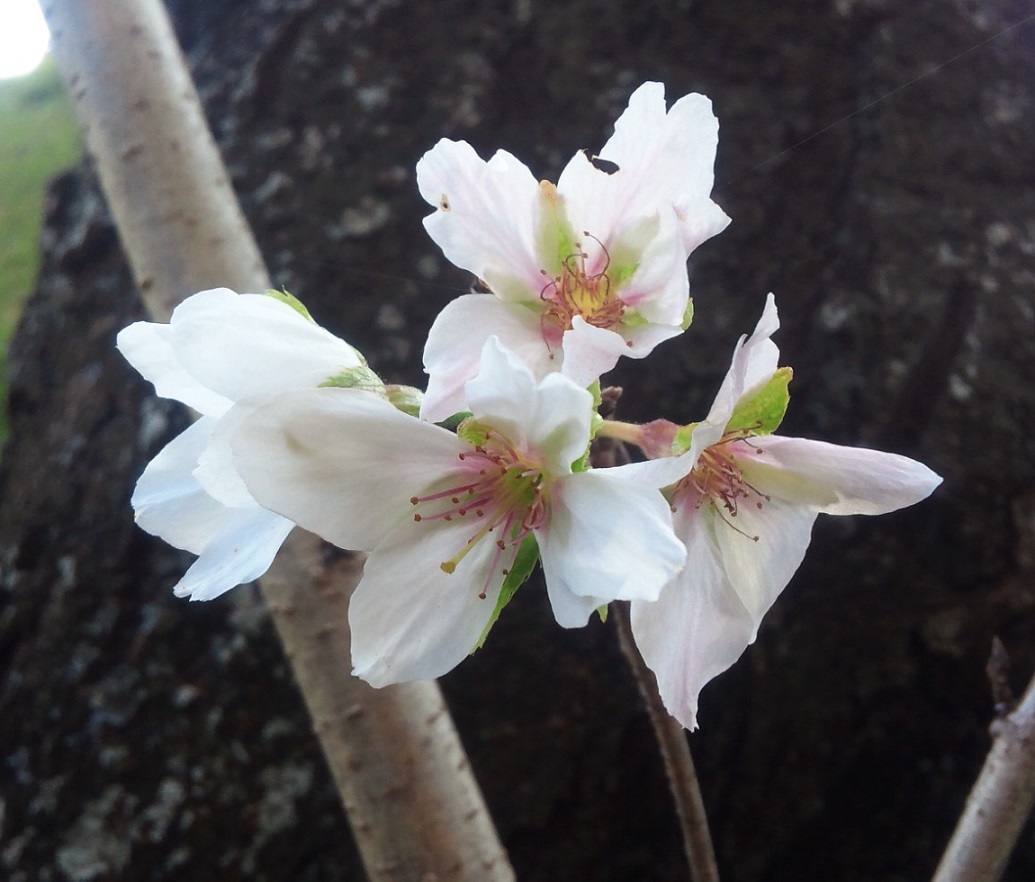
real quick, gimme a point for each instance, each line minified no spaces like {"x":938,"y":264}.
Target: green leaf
{"x":763,"y":412}
{"x":453,"y":422}
{"x":291,"y":301}
{"x":520,"y":570}
{"x":688,"y":315}
{"x":357,"y":378}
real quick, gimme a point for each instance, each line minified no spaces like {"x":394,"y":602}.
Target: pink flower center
{"x":499,"y":492}
{"x":717,"y":479}
{"x":576,"y":291}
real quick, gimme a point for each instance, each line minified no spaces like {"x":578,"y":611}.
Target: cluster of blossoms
{"x":456,"y":494}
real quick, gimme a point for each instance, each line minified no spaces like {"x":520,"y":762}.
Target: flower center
{"x":575,"y":291}
{"x":500,"y":493}
{"x":718,"y":479}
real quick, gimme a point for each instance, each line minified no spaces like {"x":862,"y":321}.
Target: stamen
{"x":502,"y":489}
{"x":718,"y":480}
{"x":577,"y":292}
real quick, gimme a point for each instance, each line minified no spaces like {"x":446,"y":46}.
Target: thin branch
{"x":412,"y":801}
{"x":679,"y":765}
{"x":998,"y":804}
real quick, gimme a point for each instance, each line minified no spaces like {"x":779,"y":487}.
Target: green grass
{"x":38,"y":138}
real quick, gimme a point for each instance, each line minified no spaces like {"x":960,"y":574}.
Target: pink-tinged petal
{"x":253,"y":346}
{"x":759,"y":570}
{"x":755,"y":360}
{"x":664,"y":158}
{"x":168,"y":500}
{"x":410,"y":620}
{"x":608,"y":538}
{"x":695,"y":630}
{"x":452,"y":355}
{"x":484,"y":216}
{"x":590,"y":351}
{"x":341,"y":463}
{"x":641,"y":340}
{"x":549,"y":420}
{"x":837,"y":480}
{"x":240,"y":553}
{"x":147,"y":346}
{"x":659,"y":289}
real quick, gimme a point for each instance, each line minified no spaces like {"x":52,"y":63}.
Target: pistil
{"x":576,"y":291}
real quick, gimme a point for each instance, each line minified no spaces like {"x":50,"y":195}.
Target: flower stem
{"x":675,"y":751}
{"x":628,"y":432}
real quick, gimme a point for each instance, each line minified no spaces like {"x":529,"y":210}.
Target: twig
{"x":679,"y":765}
{"x":412,"y":801}
{"x":998,"y":804}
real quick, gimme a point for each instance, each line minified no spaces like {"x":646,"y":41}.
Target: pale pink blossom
{"x":580,"y":273}
{"x":744,"y":501}
{"x":444,"y":515}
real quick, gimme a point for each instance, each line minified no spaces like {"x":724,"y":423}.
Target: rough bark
{"x":148,"y":738}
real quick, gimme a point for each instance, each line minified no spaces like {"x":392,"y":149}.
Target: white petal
{"x":837,"y":480}
{"x":341,"y":463}
{"x":590,"y":351}
{"x":549,"y":420}
{"x":453,"y":352}
{"x":755,"y":360}
{"x":609,"y":538}
{"x":569,"y":609}
{"x":484,"y":217}
{"x":253,"y":346}
{"x":663,"y":158}
{"x":148,"y":347}
{"x":760,"y":570}
{"x":695,"y":630}
{"x":216,"y":470}
{"x":410,"y":620}
{"x":241,"y":553}
{"x":168,"y":500}
{"x":659,"y":288}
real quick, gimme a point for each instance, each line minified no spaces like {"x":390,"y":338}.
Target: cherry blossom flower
{"x":445,"y":516}
{"x":222,"y":349}
{"x":579,"y":273}
{"x":744,"y":502}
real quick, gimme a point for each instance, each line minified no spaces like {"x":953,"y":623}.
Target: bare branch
{"x":998,"y":804}
{"x":412,"y":801}
{"x":679,"y":765}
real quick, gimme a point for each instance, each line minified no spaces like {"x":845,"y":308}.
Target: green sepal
{"x":361,"y":378}
{"x":763,"y":412}
{"x":602,"y":612}
{"x":688,"y":315}
{"x":520,"y":570}
{"x":683,"y":438}
{"x":594,"y":390}
{"x":284,"y":297}
{"x":405,"y":398}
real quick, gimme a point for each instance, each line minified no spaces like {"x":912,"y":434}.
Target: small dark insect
{"x":604,"y":165}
